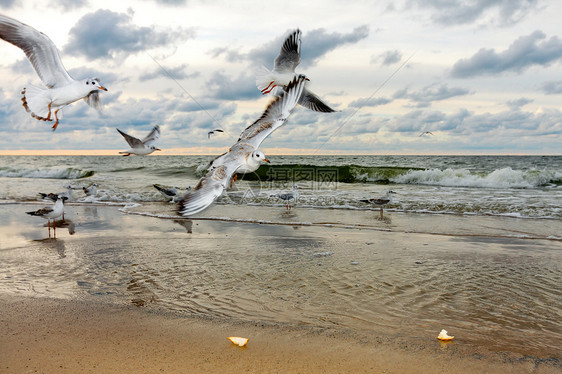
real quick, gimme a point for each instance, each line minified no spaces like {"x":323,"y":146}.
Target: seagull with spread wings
{"x":244,"y":156}
{"x":284,"y":72}
{"x":141,"y":147}
{"x":61,"y":89}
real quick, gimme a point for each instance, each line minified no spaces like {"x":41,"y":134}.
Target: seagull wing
{"x":38,"y":48}
{"x":41,"y":212}
{"x":313,"y":102}
{"x":133,"y":142}
{"x":290,"y":54}
{"x":153,"y":136}
{"x":275,"y":114}
{"x":209,"y":188}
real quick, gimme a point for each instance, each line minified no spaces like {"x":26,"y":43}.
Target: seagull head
{"x":95,"y":84}
{"x":259,"y":156}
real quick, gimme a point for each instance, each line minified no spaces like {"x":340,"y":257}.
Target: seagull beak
{"x":157,"y":149}
{"x":103,"y":88}
{"x":266,"y":160}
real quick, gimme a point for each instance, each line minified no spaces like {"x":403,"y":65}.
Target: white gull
{"x":141,"y":147}
{"x":244,"y":156}
{"x":61,"y":89}
{"x":284,"y":72}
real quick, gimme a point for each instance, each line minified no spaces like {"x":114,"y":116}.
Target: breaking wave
{"x":50,"y":173}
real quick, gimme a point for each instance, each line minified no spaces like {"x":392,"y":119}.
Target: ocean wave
{"x":500,"y":178}
{"x":450,"y":177}
{"x":47,"y":173}
{"x":328,"y":173}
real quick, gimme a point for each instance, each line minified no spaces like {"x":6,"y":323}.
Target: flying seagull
{"x":244,"y":156}
{"x":141,"y":147}
{"x":61,"y":89}
{"x":381,"y":201}
{"x":426,"y":133}
{"x":284,"y":72}
{"x":213,"y":132}
{"x":51,"y":212}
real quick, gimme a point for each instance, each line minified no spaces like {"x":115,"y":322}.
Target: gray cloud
{"x":519,"y":103}
{"x":223,"y":87}
{"x":525,"y":52}
{"x":428,"y":94}
{"x":315,"y":44}
{"x":7,"y":3}
{"x":387,"y":58}
{"x":369,"y":102}
{"x":171,"y":2}
{"x":177,"y":73}
{"x":107,"y":34}
{"x":552,"y":88}
{"x":502,"y":12}
{"x":67,"y":5}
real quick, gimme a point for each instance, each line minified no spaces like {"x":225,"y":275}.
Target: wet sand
{"x":61,"y":336}
{"x":50,"y":324}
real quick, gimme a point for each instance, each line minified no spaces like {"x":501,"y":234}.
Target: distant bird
{"x":141,"y":147}
{"x":172,"y":193}
{"x":380,"y":202}
{"x":61,"y":88}
{"x":284,"y":72}
{"x":244,"y":156}
{"x":51,"y":212}
{"x":213,"y":132}
{"x":426,"y":133}
{"x":288,"y":196}
{"x":91,"y":190}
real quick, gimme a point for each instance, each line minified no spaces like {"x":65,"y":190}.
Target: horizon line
{"x":213,"y":151}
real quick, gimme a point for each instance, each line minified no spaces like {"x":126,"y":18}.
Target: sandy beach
{"x":130,"y":293}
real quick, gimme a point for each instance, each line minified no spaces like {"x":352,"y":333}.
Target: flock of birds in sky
{"x":287,"y":87}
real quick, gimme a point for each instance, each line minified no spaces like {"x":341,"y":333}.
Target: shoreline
{"x":135,"y":293}
{"x":70,"y":336}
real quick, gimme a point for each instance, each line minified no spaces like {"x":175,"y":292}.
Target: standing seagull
{"x":51,"y":213}
{"x":172,"y":194}
{"x":91,"y":190}
{"x":61,"y":89}
{"x":380,"y":202}
{"x":68,"y":194}
{"x":288,"y":196}
{"x":244,"y":156}
{"x":284,"y":72}
{"x":141,"y":147}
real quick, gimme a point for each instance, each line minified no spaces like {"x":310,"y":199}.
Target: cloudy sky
{"x":484,"y":76}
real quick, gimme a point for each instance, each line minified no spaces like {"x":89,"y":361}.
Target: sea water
{"x":515,"y":186}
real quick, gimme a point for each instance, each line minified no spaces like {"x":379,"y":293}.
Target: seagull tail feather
{"x":264,"y":79}
{"x":36,"y":101}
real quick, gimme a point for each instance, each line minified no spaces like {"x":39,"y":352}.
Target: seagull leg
{"x":49,"y":226}
{"x":381,"y":212}
{"x":264,"y":91}
{"x":49,"y":115}
{"x":271,"y":89}
{"x":234,"y":179}
{"x":56,"y":118}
